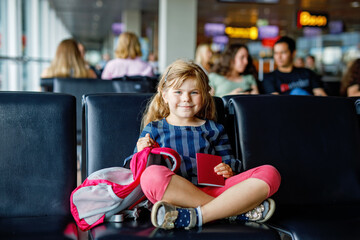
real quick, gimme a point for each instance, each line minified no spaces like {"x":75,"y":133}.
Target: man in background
{"x":288,"y":79}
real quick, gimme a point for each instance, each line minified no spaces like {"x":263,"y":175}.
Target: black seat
{"x":135,"y":84}
{"x":47,"y":84}
{"x":112,"y":127}
{"x":314,"y":143}
{"x":37,"y":165}
{"x":78,"y":87}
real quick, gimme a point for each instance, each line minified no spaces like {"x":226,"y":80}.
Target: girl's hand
{"x":224,"y":170}
{"x":144,"y":142}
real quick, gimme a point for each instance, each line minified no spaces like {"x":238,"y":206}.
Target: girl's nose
{"x":185,"y":97}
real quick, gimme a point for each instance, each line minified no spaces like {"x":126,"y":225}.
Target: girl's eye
{"x":177,"y":92}
{"x":195,"y":92}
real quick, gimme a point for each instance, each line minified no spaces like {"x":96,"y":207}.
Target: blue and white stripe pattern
{"x":188,"y":140}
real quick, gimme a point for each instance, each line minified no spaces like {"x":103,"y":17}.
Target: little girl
{"x":181,"y":116}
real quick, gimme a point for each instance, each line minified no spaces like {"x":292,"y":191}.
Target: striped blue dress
{"x":188,"y":140}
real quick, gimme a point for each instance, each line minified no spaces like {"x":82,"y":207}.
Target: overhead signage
{"x":309,"y":19}
{"x":237,"y":32}
{"x":336,"y":27}
{"x":117,"y":28}
{"x":270,"y":31}
{"x":214,"y":29}
{"x":312,"y":31}
{"x":220,"y":39}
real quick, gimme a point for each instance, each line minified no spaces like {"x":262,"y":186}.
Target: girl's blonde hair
{"x":128,"y":46}
{"x":173,"y":77}
{"x":68,"y":61}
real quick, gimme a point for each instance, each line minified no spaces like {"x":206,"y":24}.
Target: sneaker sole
{"x":168,"y":216}
{"x":271,"y":211}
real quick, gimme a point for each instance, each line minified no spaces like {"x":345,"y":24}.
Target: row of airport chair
{"x":313,"y":142}
{"x":80,"y":86}
{"x":122,"y":84}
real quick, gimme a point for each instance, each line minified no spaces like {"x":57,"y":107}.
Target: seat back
{"x":312,"y":141}
{"x":78,"y":87}
{"x":111,"y":128}
{"x":111,"y":124}
{"x":38,"y":154}
{"x":47,"y":84}
{"x":135,"y":84}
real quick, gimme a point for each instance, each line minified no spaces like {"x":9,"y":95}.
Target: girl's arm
{"x":223,"y":149}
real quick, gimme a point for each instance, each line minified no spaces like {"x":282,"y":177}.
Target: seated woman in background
{"x":203,"y":57}
{"x":234,"y":73}
{"x":127,"y":61}
{"x":68,"y":62}
{"x":350,"y":83}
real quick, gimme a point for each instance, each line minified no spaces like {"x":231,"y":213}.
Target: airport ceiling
{"x":90,"y":21}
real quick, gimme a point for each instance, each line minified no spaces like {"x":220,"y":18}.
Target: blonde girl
{"x":68,"y":62}
{"x":203,"y":57}
{"x":127,"y":61}
{"x":181,"y":116}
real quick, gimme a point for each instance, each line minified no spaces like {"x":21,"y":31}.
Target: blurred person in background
{"x":299,"y":62}
{"x":350,"y":82}
{"x":68,"y":62}
{"x":128,"y":59}
{"x":288,"y":79}
{"x":235,"y":73}
{"x":310,"y":63}
{"x":203,"y":57}
{"x":82,"y":50}
{"x":105,"y":58}
{"x":153,"y":61}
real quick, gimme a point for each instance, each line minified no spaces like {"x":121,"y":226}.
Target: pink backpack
{"x":109,"y":193}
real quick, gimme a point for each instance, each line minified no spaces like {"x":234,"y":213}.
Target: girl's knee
{"x":154,"y":181}
{"x":272,"y":171}
{"x":272,"y":177}
{"x":153,"y":175}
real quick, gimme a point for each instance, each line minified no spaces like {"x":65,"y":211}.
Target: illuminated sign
{"x":336,"y":27}
{"x":236,"y":32}
{"x":220,"y":39}
{"x":117,"y":28}
{"x":214,"y":29}
{"x":308,"y":19}
{"x":270,"y":31}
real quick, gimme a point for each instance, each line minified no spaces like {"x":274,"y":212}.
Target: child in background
{"x":181,"y":116}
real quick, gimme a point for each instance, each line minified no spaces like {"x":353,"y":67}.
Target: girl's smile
{"x":184,"y":103}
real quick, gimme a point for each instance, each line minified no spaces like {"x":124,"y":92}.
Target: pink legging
{"x":155,"y":180}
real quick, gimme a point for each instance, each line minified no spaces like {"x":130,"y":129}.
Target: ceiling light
{"x":99,"y":3}
{"x":355,"y":4}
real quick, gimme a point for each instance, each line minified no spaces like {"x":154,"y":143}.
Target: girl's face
{"x":184,"y":103}
{"x":241,"y":60}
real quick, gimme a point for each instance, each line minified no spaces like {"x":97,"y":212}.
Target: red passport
{"x":205,"y":170}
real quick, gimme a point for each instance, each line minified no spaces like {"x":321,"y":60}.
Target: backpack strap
{"x":172,"y":158}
